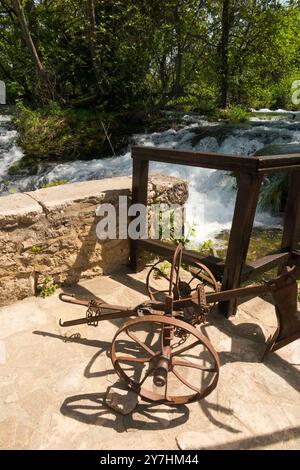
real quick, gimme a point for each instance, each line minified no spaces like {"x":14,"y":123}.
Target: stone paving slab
{"x":53,"y":381}
{"x":15,"y":204}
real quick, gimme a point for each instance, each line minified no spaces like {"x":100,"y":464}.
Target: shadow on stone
{"x":130,"y":282}
{"x":91,"y":409}
{"x":102,"y":346}
{"x":207,"y":441}
{"x":207,"y":408}
{"x":247,"y":345}
{"x":74,"y":338}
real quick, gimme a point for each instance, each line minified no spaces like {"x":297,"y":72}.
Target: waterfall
{"x":10,"y":152}
{"x":212,"y":190}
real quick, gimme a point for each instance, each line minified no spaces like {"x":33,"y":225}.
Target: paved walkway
{"x":53,"y":382}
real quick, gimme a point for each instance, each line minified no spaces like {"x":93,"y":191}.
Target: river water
{"x":212,"y":192}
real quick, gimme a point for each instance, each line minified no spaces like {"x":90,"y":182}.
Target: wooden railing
{"x":250,"y":170}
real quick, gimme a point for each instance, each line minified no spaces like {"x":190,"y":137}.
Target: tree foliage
{"x":130,"y":55}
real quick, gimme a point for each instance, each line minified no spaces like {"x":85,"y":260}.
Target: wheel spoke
{"x":203,"y":278}
{"x":166,"y":348}
{"x":166,"y":387}
{"x":180,"y":362}
{"x":138,"y":341}
{"x":133,"y":359}
{"x":186,"y":348}
{"x":185,"y":382}
{"x":146,"y":376}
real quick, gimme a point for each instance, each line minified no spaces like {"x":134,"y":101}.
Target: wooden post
{"x":242,"y":223}
{"x":140,"y":171}
{"x":291,"y":229}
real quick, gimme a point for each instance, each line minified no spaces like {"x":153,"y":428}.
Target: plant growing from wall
{"x":48,"y":287}
{"x":37,"y":248}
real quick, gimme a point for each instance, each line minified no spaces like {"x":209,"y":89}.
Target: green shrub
{"x":206,"y":247}
{"x":48,"y":287}
{"x":53,"y":133}
{"x":235,"y":113}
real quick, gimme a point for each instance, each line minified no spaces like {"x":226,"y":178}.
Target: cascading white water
{"x":9,"y":150}
{"x":210,"y":190}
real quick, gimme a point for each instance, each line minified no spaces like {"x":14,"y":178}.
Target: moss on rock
{"x":56,"y":134}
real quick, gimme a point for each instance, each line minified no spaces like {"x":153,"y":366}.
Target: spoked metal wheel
{"x":182,"y":281}
{"x":148,"y":355}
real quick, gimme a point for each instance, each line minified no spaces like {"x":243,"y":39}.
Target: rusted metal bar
{"x":99,"y":318}
{"x":161,"y":371}
{"x":249,"y":291}
{"x":72,"y":299}
{"x":285,"y":294}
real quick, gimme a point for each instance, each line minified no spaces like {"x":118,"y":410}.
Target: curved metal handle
{"x":175,"y":270}
{"x":72,"y":299}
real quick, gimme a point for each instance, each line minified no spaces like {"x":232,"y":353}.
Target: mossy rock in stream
{"x":55,"y":134}
{"x":279,"y":149}
{"x":64,"y":139}
{"x":218,"y":131}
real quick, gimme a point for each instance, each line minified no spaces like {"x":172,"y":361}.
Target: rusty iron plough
{"x":161,"y":354}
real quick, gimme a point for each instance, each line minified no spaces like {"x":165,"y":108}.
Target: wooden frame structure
{"x":250,"y":172}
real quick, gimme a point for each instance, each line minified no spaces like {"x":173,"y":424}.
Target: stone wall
{"x":52,"y":232}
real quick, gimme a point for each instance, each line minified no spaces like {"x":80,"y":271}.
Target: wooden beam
{"x":291,"y":229}
{"x":251,"y":170}
{"x":279,"y":169}
{"x":140,"y":173}
{"x":261,"y":265}
{"x":275,"y":163}
{"x":242,"y":223}
{"x":166,"y":250}
{"x":205,"y":160}
{"x":243,"y":164}
{"x":216,"y":265}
